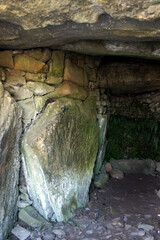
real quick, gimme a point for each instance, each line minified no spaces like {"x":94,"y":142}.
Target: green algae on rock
{"x":59,"y":153}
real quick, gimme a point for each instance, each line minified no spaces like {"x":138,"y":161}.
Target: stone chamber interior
{"x":73,"y":124}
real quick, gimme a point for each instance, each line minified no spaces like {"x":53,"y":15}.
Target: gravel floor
{"x":125,"y":209}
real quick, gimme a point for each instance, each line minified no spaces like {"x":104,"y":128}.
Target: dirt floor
{"x":123,"y":209}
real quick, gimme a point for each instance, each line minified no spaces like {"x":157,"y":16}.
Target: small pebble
{"x":90,"y":231}
{"x":117,"y":222}
{"x":138,"y":233}
{"x":59,"y":232}
{"x":20,"y":232}
{"x":127,"y":226}
{"x":108,"y":236}
{"x":145,"y":227}
{"x":87,"y":209}
{"x":148,"y":238}
{"x":48,"y":235}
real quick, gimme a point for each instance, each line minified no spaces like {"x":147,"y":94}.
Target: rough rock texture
{"x":28,"y":64}
{"x":56,"y":68}
{"x":10,"y":126}
{"x":130,"y":77}
{"x":103,"y":125}
{"x":117,"y":48}
{"x":26,"y":24}
{"x":61,"y":147}
{"x":146,"y":166}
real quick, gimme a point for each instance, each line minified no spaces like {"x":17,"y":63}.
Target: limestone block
{"x":71,"y":90}
{"x":6,"y":59}
{"x":42,"y":55}
{"x":15,"y":77}
{"x":75,"y":74}
{"x":54,"y":80}
{"x":20,"y":233}
{"x":2,"y":74}
{"x":10,"y":125}
{"x":38,"y":77}
{"x":61,"y":146}
{"x":56,"y":68}
{"x":40,"y":102}
{"x":30,"y":217}
{"x":17,"y":92}
{"x":29,"y":109}
{"x":28,"y":64}
{"x":103,"y":121}
{"x":39,"y":88}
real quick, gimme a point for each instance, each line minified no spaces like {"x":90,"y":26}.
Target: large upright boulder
{"x":59,"y":152}
{"x":10,"y":130}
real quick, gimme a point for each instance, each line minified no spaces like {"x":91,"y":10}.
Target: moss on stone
{"x":61,"y":146}
{"x":129,"y":138}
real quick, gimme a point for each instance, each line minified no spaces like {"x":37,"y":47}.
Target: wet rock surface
{"x":123,"y":209}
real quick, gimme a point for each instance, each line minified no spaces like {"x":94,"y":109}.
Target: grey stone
{"x":18,"y":92}
{"x":48,"y":235}
{"x":23,"y":204}
{"x":23,"y":189}
{"x":145,"y":227}
{"x":115,"y":48}
{"x":129,"y":77}
{"x":24,"y":196}
{"x":39,"y":88}
{"x":10,"y":125}
{"x":20,"y":232}
{"x":101,"y":179}
{"x":32,"y":218}
{"x":89,"y":239}
{"x":148,"y":237}
{"x":83,"y":223}
{"x":127,"y":226}
{"x":103,"y":125}
{"x":116,"y":173}
{"x":146,"y":166}
{"x":89,"y":231}
{"x":117,"y":222}
{"x":35,"y":24}
{"x":158,"y":166}
{"x":138,"y":233}
{"x":108,"y":236}
{"x":64,"y":178}
{"x":59,"y":232}
{"x":29,"y":109}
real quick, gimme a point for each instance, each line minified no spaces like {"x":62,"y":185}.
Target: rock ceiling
{"x":122,"y":27}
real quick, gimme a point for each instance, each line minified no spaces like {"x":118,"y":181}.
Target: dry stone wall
{"x":66,"y":94}
{"x":33,"y":76}
{"x":60,"y":139}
